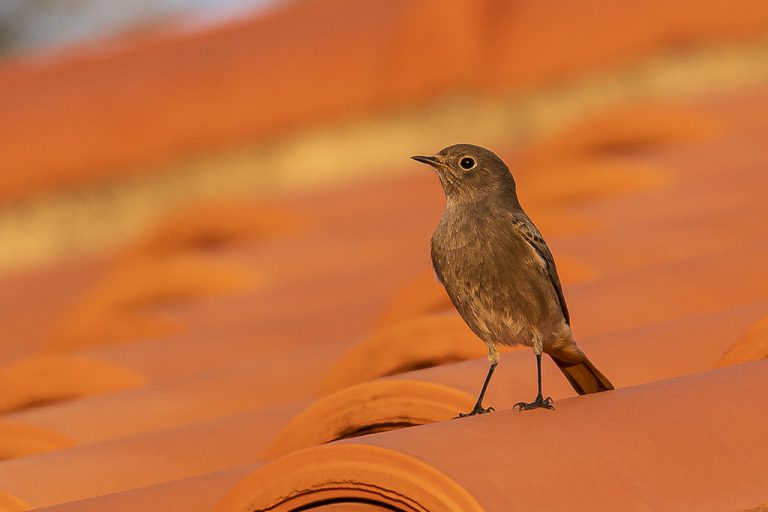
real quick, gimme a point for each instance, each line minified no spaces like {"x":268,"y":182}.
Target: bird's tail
{"x":583,"y":375}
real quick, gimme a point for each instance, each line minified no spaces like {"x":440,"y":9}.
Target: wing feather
{"x":533,"y":237}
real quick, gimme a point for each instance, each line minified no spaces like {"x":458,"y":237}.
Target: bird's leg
{"x":540,"y":401}
{"x":478,"y":408}
{"x":493,"y":357}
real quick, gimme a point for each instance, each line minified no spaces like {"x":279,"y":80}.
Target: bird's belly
{"x":502,"y":305}
{"x":499,"y":323}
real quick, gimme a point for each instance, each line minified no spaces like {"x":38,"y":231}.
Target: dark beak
{"x":429,"y":160}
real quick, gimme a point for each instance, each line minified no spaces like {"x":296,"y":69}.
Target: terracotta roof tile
{"x":90,"y":470}
{"x":195,"y":494}
{"x":633,"y":441}
{"x":30,"y":304}
{"x":752,"y":345}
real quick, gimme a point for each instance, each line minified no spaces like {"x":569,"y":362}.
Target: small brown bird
{"x":499,"y":272}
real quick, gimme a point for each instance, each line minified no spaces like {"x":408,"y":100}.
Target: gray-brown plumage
{"x":498,"y":270}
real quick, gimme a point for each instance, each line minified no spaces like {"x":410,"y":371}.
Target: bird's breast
{"x":492,"y":277}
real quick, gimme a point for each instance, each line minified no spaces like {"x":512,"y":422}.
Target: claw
{"x":478,"y":409}
{"x":544,"y":403}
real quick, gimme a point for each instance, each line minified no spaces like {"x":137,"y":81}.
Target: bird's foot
{"x":478,"y":409}
{"x":546,"y":403}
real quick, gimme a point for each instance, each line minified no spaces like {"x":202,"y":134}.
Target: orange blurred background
{"x":114,"y":114}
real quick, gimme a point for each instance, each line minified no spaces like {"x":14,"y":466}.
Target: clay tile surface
{"x":79,"y":472}
{"x":608,"y":451}
{"x":268,"y":334}
{"x":194,"y":494}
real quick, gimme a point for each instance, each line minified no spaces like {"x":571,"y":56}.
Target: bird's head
{"x":471,"y":173}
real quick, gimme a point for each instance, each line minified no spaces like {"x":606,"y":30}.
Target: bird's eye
{"x":467,"y":163}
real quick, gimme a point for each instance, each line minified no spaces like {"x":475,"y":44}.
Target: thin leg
{"x":540,"y":401}
{"x":478,"y":408}
{"x":538,"y":372}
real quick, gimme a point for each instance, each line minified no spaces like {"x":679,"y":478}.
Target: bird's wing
{"x":532,"y":236}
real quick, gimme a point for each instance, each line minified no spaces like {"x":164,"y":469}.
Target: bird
{"x":499,"y":272}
